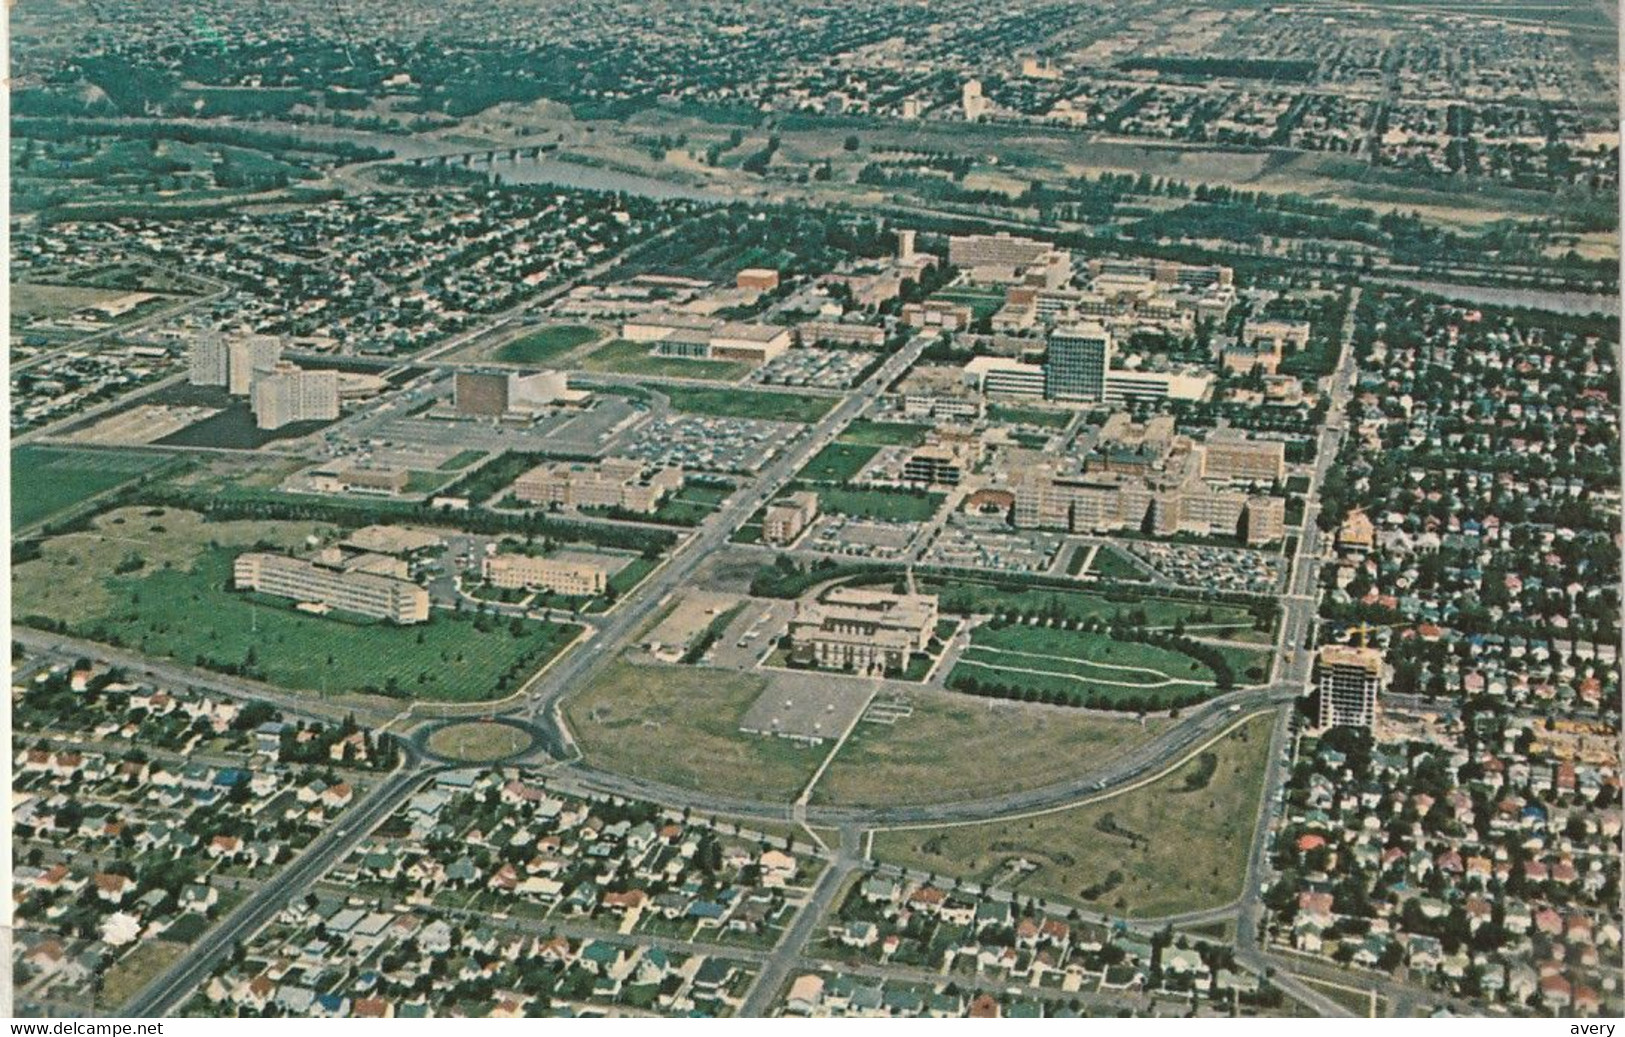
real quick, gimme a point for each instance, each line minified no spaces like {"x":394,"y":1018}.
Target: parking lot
{"x":808,"y":706}
{"x":814,"y":368}
{"x":1214,"y":568}
{"x":703,"y":444}
{"x":863,"y":538}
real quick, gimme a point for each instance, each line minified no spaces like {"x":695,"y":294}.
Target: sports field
{"x":48,"y":480}
{"x":887,"y":505}
{"x":838,"y":463}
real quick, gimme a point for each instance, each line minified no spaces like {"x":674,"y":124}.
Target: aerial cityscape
{"x":911,"y":509}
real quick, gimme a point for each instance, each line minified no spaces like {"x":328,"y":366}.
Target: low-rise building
{"x":861,"y":630}
{"x":785,"y":519}
{"x":574,"y":577}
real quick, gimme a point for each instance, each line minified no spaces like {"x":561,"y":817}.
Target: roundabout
{"x":489,"y":740}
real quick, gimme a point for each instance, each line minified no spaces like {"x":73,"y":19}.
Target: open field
{"x":158,"y":581}
{"x":619,"y":356}
{"x":837,"y":463}
{"x":546,"y":344}
{"x":1112,"y":564}
{"x":740,"y":403}
{"x":1083,"y":668}
{"x":478,"y":741}
{"x":48,"y":480}
{"x":952,"y":748}
{"x":52,"y":301}
{"x":970,"y":596}
{"x":145,"y":962}
{"x":890,"y":505}
{"x":1176,"y":844}
{"x":680,"y":725}
{"x":883,"y":433}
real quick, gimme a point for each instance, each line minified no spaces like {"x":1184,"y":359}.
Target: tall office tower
{"x":1349,"y":679}
{"x":210,"y":361}
{"x":251,"y":356}
{"x":286,"y":394}
{"x":1079,"y":356}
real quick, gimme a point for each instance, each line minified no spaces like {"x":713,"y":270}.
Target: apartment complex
{"x":1348,"y":680}
{"x":213,"y":360}
{"x":615,"y":482}
{"x":785,"y":519}
{"x":575,"y":577}
{"x":326,"y":586}
{"x":287,"y":394}
{"x":862,"y":631}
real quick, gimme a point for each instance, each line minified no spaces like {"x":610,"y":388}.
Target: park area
{"x":1082,"y":668}
{"x":46,"y":481}
{"x":158,"y":581}
{"x":1175,"y":844}
{"x":679,"y":725}
{"x":948,"y":748}
{"x":837,"y":463}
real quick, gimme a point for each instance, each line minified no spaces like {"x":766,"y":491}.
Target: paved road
{"x":776,"y":969}
{"x":169,"y":991}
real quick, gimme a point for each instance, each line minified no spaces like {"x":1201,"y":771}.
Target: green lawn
{"x":177,"y":602}
{"x":973,"y":596}
{"x":460,"y":460}
{"x":739,"y":403}
{"x":891,"y":505}
{"x":1111,"y":564}
{"x":680,"y":725}
{"x":1082,"y":668}
{"x":48,"y":480}
{"x":838,"y":463}
{"x":884,"y":433}
{"x":546,"y":344}
{"x":1160,"y":849}
{"x":619,"y":356}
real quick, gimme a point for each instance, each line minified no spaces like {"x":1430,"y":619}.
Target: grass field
{"x":838,"y":463}
{"x":478,"y":741}
{"x":1159,"y":849}
{"x":462,"y":459}
{"x":951,"y":748}
{"x":145,"y":962}
{"x":545,"y":345}
{"x":891,"y":505}
{"x":680,"y":725}
{"x":1111,"y":564}
{"x":1083,"y":667}
{"x":883,"y":433}
{"x":738,"y":403}
{"x":619,"y":356}
{"x":157,"y":581}
{"x":968,"y":596}
{"x":982,"y":302}
{"x":46,"y":481}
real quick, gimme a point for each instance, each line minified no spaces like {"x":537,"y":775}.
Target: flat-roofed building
{"x":1076,"y":364}
{"x":575,"y":577}
{"x":363,"y":593}
{"x":785,"y":518}
{"x":362,"y":479}
{"x":1348,"y":680}
{"x":869,"y":336}
{"x":1004,"y":259}
{"x":209,"y":361}
{"x":1229,"y":454}
{"x":1003,"y":376}
{"x":938,"y":315}
{"x":1265,"y":520}
{"x":496,"y":394}
{"x":615,"y":482}
{"x":758,"y":279}
{"x":939,"y":392}
{"x":287,"y":394}
{"x":862,"y":631}
{"x":249,"y":358}
{"x":752,"y":343}
{"x":1126,"y":386}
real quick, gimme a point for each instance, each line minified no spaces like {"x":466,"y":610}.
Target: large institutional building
{"x":1004,"y":259}
{"x":1075,"y":370}
{"x":1349,"y":679}
{"x":570,"y":576}
{"x":862,"y":631}
{"x":1146,"y":477}
{"x":497,"y":394}
{"x":615,"y":482}
{"x":213,"y":360}
{"x":690,"y":337}
{"x":352,"y":590}
{"x":287,"y":394}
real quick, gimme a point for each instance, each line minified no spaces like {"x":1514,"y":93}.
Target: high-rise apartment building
{"x":287,"y":394}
